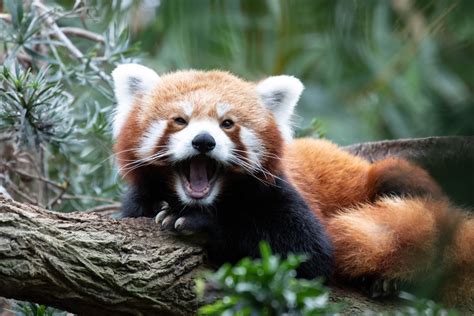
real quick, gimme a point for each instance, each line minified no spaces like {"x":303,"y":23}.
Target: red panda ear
{"x":280,"y":95}
{"x":130,"y":80}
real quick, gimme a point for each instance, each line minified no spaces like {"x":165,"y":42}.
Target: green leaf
{"x":16,"y":10}
{"x":265,"y":286}
{"x":38,"y":56}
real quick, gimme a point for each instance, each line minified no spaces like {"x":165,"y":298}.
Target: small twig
{"x":87,"y":197}
{"x":66,"y":41}
{"x":15,"y":189}
{"x":83,"y":33}
{"x":40,"y":178}
{"x":50,"y":21}
{"x":30,"y":158}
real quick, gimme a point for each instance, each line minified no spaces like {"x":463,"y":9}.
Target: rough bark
{"x":91,"y":264}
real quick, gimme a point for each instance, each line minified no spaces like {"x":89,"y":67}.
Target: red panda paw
{"x":379,"y":288}
{"x":190,"y":223}
{"x":173,"y":223}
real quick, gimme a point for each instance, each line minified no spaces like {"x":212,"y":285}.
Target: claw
{"x":179,"y":223}
{"x":166,"y":221}
{"x":160,"y":216}
{"x":164,"y":206}
{"x":178,"y":226}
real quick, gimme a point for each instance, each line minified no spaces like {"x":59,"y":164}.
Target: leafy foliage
{"x":267,"y":286}
{"x":56,"y":90}
{"x":32,"y":309}
{"x":32,"y":110}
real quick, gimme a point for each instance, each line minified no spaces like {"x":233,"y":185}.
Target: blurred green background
{"x":372,"y":69}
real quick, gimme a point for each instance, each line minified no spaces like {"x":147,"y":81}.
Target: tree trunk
{"x":91,"y":264}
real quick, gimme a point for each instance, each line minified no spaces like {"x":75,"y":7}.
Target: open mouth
{"x":199,"y":175}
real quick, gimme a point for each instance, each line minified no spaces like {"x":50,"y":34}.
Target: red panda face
{"x":201,"y":126}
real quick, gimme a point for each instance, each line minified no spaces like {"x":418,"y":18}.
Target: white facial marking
{"x":187,"y":108}
{"x":253,"y":144}
{"x":280,"y":95}
{"x":208,"y":200}
{"x":180,"y":145}
{"x":151,"y":138}
{"x":222,"y":109}
{"x":130,"y":80}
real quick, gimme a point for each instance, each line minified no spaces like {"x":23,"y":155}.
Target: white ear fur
{"x":280,"y":94}
{"x":129,"y":81}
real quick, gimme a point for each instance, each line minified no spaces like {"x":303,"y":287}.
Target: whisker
{"x":129,"y":167}
{"x":246,"y":166}
{"x":112,"y":155}
{"x":145,"y":159}
{"x":258,"y":167}
{"x":265,"y":154}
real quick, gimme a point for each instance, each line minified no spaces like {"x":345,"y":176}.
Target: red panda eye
{"x":180,"y":121}
{"x":227,"y":124}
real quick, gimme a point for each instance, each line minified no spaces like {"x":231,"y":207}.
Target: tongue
{"x":198,"y":174}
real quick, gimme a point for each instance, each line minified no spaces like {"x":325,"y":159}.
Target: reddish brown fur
{"x":399,"y":177}
{"x":460,"y":256}
{"x":128,"y":138}
{"x":406,"y":237}
{"x":328,"y":178}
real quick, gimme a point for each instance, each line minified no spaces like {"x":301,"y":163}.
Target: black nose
{"x":204,"y":143}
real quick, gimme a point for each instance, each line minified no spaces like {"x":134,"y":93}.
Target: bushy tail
{"x":407,"y":231}
{"x":409,"y":239}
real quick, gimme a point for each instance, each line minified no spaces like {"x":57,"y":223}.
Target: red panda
{"x":208,"y":144}
{"x":210,"y":152}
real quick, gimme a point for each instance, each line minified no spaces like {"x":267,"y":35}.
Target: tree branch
{"x":450,"y":160}
{"x":429,"y":150}
{"x":83,"y":33}
{"x":89,"y":264}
